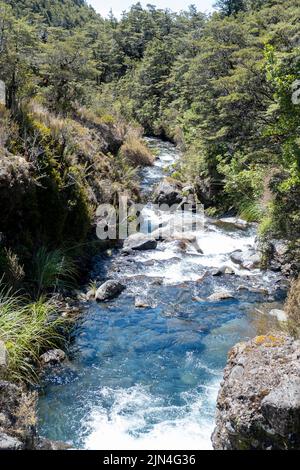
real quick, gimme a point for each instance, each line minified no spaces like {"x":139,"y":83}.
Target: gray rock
{"x":258,"y":405}
{"x":10,"y":443}
{"x":168,"y":192}
{"x":3,"y":358}
{"x":42,"y":443}
{"x":281,"y":407}
{"x":53,"y":356}
{"x":220,"y":295}
{"x":109,"y":290}
{"x":140,"y":242}
{"x":223,"y":270}
{"x":231,"y":223}
{"x":248,"y":259}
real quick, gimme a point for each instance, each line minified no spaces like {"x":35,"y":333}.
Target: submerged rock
{"x":258,"y":405}
{"x":54,"y":356}
{"x":142,"y":302}
{"x":140,"y":242}
{"x":42,"y":443}
{"x":109,"y":290}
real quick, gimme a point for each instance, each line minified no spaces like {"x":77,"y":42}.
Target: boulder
{"x":223,"y":270}
{"x":258,"y":405}
{"x":53,"y":356}
{"x":231,"y":223}
{"x":10,"y":443}
{"x":139,"y":241}
{"x":109,"y":290}
{"x":168,"y":192}
{"x":220,"y":295}
{"x":247,"y":259}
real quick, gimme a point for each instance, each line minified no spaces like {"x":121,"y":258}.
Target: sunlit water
{"x":148,"y":378}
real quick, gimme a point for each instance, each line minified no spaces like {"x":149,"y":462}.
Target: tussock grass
{"x":52,"y":270}
{"x":292,"y":308}
{"x":28,"y":330}
{"x":136,"y":152}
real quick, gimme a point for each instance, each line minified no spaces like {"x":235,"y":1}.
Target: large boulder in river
{"x":109,"y":290}
{"x":247,"y":259}
{"x":258,"y":405}
{"x":139,"y":241}
{"x":168,"y":192}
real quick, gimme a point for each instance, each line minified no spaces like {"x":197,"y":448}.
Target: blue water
{"x":148,"y":378}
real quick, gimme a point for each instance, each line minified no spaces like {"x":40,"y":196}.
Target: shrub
{"x":136,"y":152}
{"x":27,"y":331}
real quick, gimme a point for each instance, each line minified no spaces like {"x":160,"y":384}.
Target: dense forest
{"x":81,"y":90}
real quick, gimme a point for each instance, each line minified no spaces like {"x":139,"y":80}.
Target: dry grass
{"x":292,"y":307}
{"x":135,"y":151}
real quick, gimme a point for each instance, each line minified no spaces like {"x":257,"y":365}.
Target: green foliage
{"x":52,"y":270}
{"x":27,"y":332}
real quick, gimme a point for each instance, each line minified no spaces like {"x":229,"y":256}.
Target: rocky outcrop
{"x":280,"y":255}
{"x":17,"y":417}
{"x":258,"y":405}
{"x":109,"y":290}
{"x":168,"y":192}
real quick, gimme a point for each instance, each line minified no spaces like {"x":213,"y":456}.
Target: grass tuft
{"x":27,"y":330}
{"x":136,"y":152}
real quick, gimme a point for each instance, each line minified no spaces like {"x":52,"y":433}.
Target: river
{"x":147,"y":378}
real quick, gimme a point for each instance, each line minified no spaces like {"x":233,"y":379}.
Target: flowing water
{"x":147,"y":378}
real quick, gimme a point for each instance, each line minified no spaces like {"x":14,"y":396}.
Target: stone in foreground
{"x":258,"y":405}
{"x":54,"y":356}
{"x":109,"y":290}
{"x":10,"y":443}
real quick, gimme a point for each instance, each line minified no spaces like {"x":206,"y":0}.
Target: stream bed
{"x":147,"y":378}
